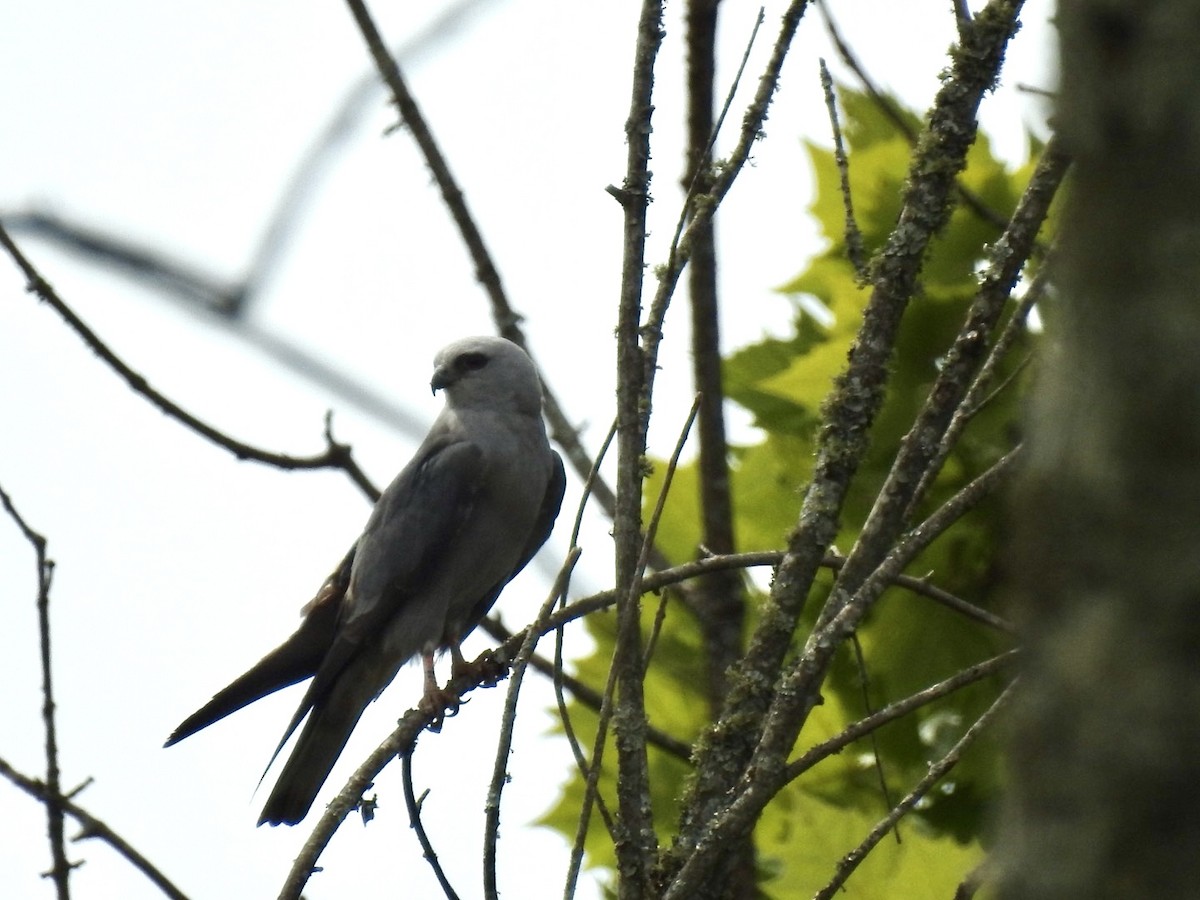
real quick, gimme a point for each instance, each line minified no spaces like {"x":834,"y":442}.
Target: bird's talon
{"x":440,"y":704}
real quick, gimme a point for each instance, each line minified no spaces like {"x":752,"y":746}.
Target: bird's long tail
{"x":294,"y":660}
{"x":321,"y":741}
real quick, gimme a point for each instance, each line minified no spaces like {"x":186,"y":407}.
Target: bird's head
{"x":488,"y":373}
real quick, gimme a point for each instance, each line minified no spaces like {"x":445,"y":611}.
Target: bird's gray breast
{"x":512,"y":484}
{"x":508,"y":482}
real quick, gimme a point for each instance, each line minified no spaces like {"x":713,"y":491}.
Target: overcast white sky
{"x":178,"y":125}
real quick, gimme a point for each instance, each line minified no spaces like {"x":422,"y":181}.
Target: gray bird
{"x":460,"y":520}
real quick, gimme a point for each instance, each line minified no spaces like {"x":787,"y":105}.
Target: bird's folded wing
{"x":410,"y":529}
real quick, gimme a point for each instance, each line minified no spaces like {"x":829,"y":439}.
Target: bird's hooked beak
{"x":443,"y":377}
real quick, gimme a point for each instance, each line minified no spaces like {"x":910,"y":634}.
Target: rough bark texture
{"x":1105,"y":799}
{"x":718,"y":600}
{"x":726,"y":749}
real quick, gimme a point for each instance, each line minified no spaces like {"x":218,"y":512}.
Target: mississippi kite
{"x":460,"y":520}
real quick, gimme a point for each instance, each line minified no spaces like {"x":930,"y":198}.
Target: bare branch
{"x":336,"y":456}
{"x":508,"y":721}
{"x":864,"y":681}
{"x":220,"y":303}
{"x":887,"y":106}
{"x":414,"y":817}
{"x":60,"y":870}
{"x":937,"y":771}
{"x":591,"y":786}
{"x":854,"y":240}
{"x":717,"y":603}
{"x":635,"y":853}
{"x":399,"y":743}
{"x":923,"y":450}
{"x":700,"y":567}
{"x":93,"y":828}
{"x":705,"y":205}
{"x":583,"y":693}
{"x":975,"y":398}
{"x":635,"y":589}
{"x":897,"y":710}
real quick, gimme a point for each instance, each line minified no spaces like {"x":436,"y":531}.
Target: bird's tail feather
{"x":320,"y":743}
{"x":294,"y":660}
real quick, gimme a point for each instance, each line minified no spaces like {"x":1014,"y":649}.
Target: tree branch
{"x":850,"y":411}
{"x":922,"y":450}
{"x":336,"y":456}
{"x":854,"y":239}
{"x":93,"y":828}
{"x":937,"y":771}
{"x":61,"y":868}
{"x":504,"y":745}
{"x":414,"y":804}
{"x":798,"y":693}
{"x":704,"y":205}
{"x":636,"y":841}
{"x":894,"y":711}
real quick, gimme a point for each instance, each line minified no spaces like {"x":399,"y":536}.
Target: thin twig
{"x":887,"y":106}
{"x":591,"y":786}
{"x":61,"y":868}
{"x":400,"y":742}
{"x":975,"y":400}
{"x":718,"y":603}
{"x":336,"y":456}
{"x":582,"y":693}
{"x":414,"y":818}
{"x":854,"y":239}
{"x":635,"y":589}
{"x":305,"y":179}
{"x":176,"y":279}
{"x":923,"y":588}
{"x":491,"y":807}
{"x":704,"y":206}
{"x":587,"y":695}
{"x":922,"y":451}
{"x":896,"y":710}
{"x":700,"y":177}
{"x":602,"y":703}
{"x":700,"y":567}
{"x":93,"y":828}
{"x":865,"y":683}
{"x":937,"y":771}
{"x":828,"y":635}
{"x":221,"y":305}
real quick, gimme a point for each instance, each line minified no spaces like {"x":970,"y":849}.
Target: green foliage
{"x":908,"y":642}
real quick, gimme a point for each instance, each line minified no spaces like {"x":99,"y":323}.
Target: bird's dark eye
{"x":470,"y":362}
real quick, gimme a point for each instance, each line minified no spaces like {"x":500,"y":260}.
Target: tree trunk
{"x":1105,"y":796}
